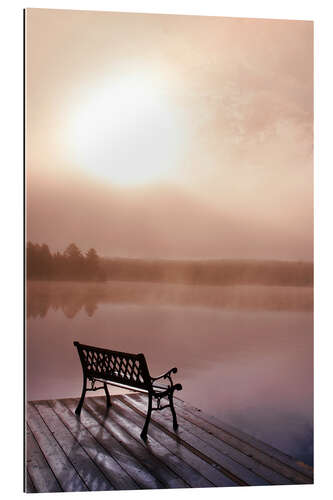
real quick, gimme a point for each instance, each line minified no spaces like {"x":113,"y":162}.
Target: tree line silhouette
{"x":72,"y":264}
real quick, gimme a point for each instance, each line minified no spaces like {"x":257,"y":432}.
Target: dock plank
{"x":29,"y":485}
{"x":37,"y":466}
{"x":257,"y":444}
{"x":85,"y":466}
{"x":186,"y":437}
{"x":133,"y":424}
{"x":132,"y":473}
{"x":102,"y":449}
{"x":61,"y":466}
{"x":117,"y":476}
{"x":215,"y":477}
{"x":116,"y":425}
{"x":238,"y":444}
{"x":205,"y":434}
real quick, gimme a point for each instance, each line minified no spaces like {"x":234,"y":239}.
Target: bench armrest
{"x":164,"y":375}
{"x":167,"y":375}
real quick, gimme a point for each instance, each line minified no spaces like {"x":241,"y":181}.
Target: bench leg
{"x":84,"y":390}
{"x":145,"y":427}
{"x":108,"y":399}
{"x":172,"y":408}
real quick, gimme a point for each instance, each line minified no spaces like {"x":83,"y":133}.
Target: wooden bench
{"x":129,"y":371}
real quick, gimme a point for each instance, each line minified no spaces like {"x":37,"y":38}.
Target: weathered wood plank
{"x":101,"y":456}
{"x":38,"y":468}
{"x":116,"y":425}
{"x":259,"y":445}
{"x":102,"y":449}
{"x":132,"y":473}
{"x":238,"y":456}
{"x":133,"y":424}
{"x":89,"y":472}
{"x":61,"y":466}
{"x":187,"y":437}
{"x":29,"y":485}
{"x":249,"y":450}
{"x":200,"y":466}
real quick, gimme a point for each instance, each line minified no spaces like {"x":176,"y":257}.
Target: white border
{"x":11,"y":427}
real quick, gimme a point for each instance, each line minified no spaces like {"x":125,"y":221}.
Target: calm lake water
{"x":243,"y":353}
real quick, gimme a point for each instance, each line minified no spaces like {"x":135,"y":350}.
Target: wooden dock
{"x":102,"y":449}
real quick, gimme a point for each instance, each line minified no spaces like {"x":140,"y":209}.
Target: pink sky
{"x":170,"y":136}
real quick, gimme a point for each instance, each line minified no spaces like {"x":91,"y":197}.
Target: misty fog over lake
{"x":243,"y":353}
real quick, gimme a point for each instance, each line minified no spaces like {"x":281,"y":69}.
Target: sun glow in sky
{"x":127,"y":131}
{"x":170,"y":136}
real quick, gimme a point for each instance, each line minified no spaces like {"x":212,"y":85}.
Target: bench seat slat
{"x":159,"y":387}
{"x":119,"y":384}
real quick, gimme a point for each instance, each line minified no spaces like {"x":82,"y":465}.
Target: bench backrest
{"x":114,"y":366}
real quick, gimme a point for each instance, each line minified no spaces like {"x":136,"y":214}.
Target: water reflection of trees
{"x":40,"y":301}
{"x":73,"y":297}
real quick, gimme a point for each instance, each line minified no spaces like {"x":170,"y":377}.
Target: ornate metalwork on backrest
{"x":115,"y":366}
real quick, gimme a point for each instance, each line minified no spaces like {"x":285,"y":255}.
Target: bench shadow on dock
{"x":102,"y":450}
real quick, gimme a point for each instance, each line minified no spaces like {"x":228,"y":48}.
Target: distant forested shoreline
{"x":211,"y":272}
{"x":74,"y":264}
